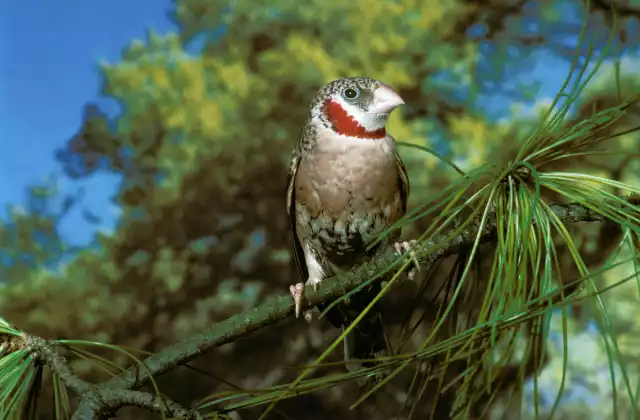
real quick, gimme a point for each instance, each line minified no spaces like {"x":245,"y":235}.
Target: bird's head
{"x":355,"y":107}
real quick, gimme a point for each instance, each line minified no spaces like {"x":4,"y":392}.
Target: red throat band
{"x":345,"y":124}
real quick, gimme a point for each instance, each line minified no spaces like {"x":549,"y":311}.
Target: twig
{"x":98,"y":401}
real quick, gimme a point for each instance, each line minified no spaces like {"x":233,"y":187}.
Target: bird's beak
{"x":385,"y":100}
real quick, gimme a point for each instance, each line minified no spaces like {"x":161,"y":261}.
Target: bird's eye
{"x":351,"y":93}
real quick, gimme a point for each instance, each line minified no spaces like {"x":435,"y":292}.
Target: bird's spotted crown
{"x":347,"y":106}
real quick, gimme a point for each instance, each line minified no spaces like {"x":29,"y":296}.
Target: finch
{"x":346,"y":185}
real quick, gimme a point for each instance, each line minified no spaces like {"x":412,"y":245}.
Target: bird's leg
{"x":316,"y":275}
{"x":313,"y":282}
{"x":409,"y":247}
{"x":297,"y":292}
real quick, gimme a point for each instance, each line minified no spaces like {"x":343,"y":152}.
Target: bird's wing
{"x":291,"y":210}
{"x":403,"y":181}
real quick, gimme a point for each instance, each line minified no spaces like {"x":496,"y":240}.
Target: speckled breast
{"x":344,"y":201}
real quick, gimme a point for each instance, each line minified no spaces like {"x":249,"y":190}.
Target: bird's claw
{"x":409,"y":247}
{"x":308,"y":315}
{"x":297,"y":291}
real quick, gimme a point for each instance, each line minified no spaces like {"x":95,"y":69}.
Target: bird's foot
{"x":409,"y":247}
{"x":308,"y":315}
{"x":297,"y":292}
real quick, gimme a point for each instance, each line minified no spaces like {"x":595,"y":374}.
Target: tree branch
{"x":102,"y":400}
{"x":98,"y":401}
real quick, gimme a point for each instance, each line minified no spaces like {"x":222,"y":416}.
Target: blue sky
{"x":49,"y":54}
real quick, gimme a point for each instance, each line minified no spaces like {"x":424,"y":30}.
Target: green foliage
{"x":20,"y":375}
{"x":202,"y":146}
{"x":29,"y":238}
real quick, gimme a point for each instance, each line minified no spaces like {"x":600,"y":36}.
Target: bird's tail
{"x":367,"y":340}
{"x":365,"y":343}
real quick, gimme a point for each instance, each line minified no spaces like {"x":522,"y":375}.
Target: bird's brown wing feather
{"x":291,"y":211}
{"x":403,"y":180}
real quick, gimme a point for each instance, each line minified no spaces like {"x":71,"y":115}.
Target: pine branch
{"x":102,"y":400}
{"x":98,"y":401}
{"x":281,"y":307}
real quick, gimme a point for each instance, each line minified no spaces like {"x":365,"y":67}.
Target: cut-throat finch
{"x":347,"y":184}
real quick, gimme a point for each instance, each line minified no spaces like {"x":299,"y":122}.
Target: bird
{"x":346,"y":185}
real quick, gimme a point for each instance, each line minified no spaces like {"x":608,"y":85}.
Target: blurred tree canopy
{"x":208,"y":118}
